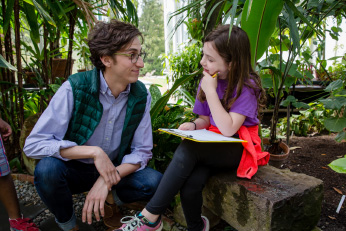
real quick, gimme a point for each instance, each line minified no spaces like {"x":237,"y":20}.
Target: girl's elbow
{"x":227,"y":133}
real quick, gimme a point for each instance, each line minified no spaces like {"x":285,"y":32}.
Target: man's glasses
{"x":134,"y":56}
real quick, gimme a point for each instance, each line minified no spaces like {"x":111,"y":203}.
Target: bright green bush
{"x":307,"y":122}
{"x":185,"y":62}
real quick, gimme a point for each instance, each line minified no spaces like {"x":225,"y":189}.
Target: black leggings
{"x":188,"y":172}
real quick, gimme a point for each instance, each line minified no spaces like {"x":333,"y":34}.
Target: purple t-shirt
{"x":245,"y":105}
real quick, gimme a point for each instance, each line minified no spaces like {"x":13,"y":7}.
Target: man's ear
{"x":106,"y":60}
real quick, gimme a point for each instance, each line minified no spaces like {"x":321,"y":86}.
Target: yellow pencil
{"x":214,"y":75}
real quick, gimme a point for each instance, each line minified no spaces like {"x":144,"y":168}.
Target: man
{"x":96,"y":135}
{"x":8,"y":194}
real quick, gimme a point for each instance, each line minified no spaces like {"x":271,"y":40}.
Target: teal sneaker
{"x":139,"y":223}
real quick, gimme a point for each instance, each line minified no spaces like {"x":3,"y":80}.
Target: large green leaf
{"x":259,"y":20}
{"x":155,"y":94}
{"x":334,"y":103}
{"x":335,"y":124}
{"x":44,"y":14}
{"x":5,"y":64}
{"x":31,"y":17}
{"x":340,"y":136}
{"x":292,"y":25}
{"x":334,"y":85}
{"x":339,"y":165}
{"x":161,"y":103}
{"x":8,"y":15}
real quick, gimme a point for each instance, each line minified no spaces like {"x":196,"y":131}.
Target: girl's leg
{"x":223,"y":156}
{"x":191,"y":197}
{"x":177,"y":172}
{"x":187,"y":155}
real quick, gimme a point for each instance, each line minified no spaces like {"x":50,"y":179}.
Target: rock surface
{"x":273,"y":199}
{"x":28,"y":125}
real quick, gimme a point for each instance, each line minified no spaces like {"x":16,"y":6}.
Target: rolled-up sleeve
{"x":46,"y":138}
{"x":142,"y":142}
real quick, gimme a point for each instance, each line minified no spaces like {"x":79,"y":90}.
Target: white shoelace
{"x":132,"y":222}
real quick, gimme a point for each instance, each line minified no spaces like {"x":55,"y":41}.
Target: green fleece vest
{"x":88,"y":110}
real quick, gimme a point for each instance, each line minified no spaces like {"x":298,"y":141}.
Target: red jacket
{"x":252,"y":155}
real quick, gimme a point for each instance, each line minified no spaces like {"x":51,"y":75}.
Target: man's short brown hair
{"x":107,"y":38}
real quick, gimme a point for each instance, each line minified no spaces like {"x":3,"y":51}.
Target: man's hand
{"x":95,"y":201}
{"x":106,"y":168}
{"x":5,"y":129}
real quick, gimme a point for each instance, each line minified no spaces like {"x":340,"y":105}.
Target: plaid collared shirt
{"x":4,"y":167}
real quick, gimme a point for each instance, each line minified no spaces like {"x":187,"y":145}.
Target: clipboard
{"x":202,"y":135}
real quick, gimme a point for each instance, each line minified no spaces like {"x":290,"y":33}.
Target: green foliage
{"x":307,"y":122}
{"x":15,"y":163}
{"x":152,"y":26}
{"x":336,"y":102}
{"x":80,"y":45}
{"x":5,"y":64}
{"x":195,"y":28}
{"x":164,"y":144}
{"x":171,"y":116}
{"x":32,"y":104}
{"x":185,"y":62}
{"x":337,"y":69}
{"x":338,"y":165}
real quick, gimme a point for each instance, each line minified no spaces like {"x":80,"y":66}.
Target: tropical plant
{"x":297,"y":23}
{"x":307,"y":122}
{"x":336,"y":102}
{"x":170,"y":116}
{"x":184,"y":62}
{"x":339,"y":165}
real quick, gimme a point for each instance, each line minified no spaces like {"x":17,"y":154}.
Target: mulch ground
{"x":311,"y":156}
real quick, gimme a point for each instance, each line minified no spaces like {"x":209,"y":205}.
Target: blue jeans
{"x":57,"y":180}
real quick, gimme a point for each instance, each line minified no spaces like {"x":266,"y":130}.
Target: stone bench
{"x":273,"y":199}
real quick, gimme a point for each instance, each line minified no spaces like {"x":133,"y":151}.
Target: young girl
{"x":227,"y":104}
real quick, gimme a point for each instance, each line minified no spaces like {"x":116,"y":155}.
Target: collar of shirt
{"x":105,"y":89}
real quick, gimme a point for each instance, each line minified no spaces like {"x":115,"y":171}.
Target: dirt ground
{"x":311,"y":156}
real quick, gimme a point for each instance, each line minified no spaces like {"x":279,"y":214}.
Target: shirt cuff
{"x":55,"y":149}
{"x":135,"y":159}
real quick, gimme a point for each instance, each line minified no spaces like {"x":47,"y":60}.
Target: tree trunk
{"x":19,"y":61}
{"x":70,"y":45}
{"x":45,"y":76}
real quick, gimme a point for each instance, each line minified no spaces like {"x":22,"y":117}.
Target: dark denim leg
{"x":138,"y":186}
{"x":57,"y":180}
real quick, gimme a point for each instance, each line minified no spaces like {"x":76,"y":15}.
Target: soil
{"x":311,"y":156}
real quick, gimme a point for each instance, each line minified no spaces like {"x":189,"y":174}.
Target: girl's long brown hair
{"x":236,"y":51}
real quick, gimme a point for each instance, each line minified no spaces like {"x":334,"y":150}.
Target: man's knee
{"x":49,"y":171}
{"x":152,"y":181}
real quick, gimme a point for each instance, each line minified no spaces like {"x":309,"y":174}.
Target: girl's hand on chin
{"x":208,"y":83}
